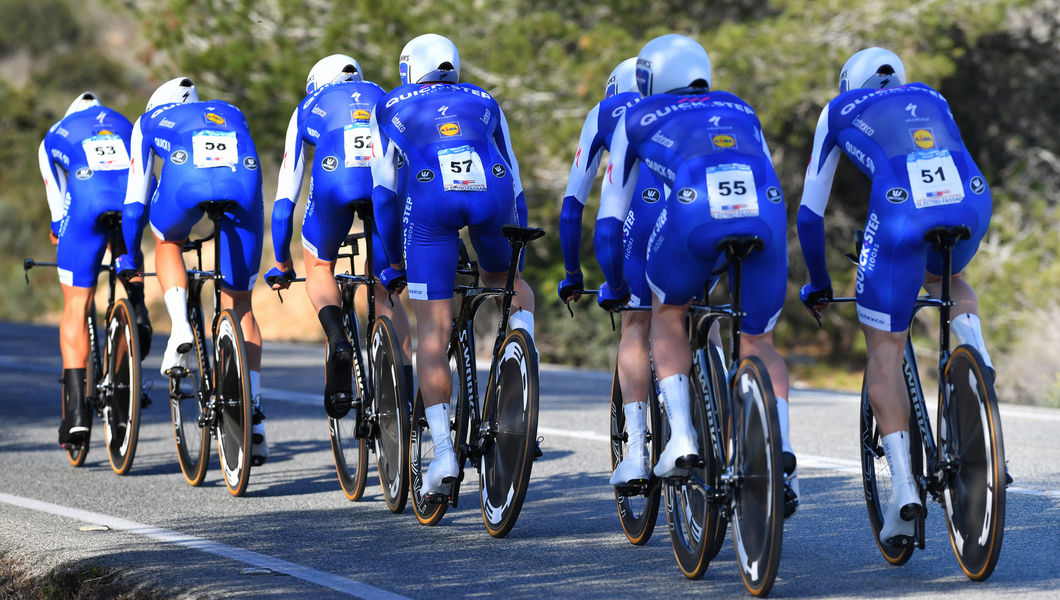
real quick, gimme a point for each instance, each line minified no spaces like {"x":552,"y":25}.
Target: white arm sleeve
{"x":139,"y":168}
{"x":289,"y":184}
{"x":384,"y":171}
{"x":818,"y":184}
{"x":54,"y":185}
{"x":583,"y":169}
{"x":617,"y":193}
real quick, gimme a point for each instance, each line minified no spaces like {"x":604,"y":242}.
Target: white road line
{"x":254,"y":559}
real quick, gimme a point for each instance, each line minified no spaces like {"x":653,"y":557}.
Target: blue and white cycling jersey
{"x":84,"y":160}
{"x":207,"y":154}
{"x":906,"y":141}
{"x":709,"y":153}
{"x":452,"y":140}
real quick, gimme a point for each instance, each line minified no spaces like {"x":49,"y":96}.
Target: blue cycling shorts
{"x":82,"y":240}
{"x":640,"y":221}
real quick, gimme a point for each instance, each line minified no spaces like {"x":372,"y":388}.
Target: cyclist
{"x":904,"y":138}
{"x":708,"y":149}
{"x":633,"y":373}
{"x":91,"y":143}
{"x":207,"y":154}
{"x":452,"y":140}
{"x":333,"y":118}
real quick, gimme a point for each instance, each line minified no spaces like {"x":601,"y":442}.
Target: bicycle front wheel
{"x":350,"y":451}
{"x":758,"y":501}
{"x":187,"y":403}
{"x":637,"y":512}
{"x":511,"y":407}
{"x":123,"y":391}
{"x":393,"y":411}
{"x":973,"y":455}
{"x":233,"y":402}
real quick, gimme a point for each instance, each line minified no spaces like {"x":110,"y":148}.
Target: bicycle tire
{"x":77,"y":453}
{"x":717,"y":522}
{"x":349,"y":451}
{"x":758,"y":501}
{"x":393,"y":410}
{"x":876,"y":475}
{"x":636,"y":513}
{"x":233,"y":402}
{"x":191,"y":434}
{"x":511,"y":405}
{"x":121,"y":407}
{"x":974,"y":494}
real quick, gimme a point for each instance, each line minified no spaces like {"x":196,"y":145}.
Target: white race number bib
{"x":105,"y":153}
{"x":214,"y":149}
{"x":357,"y":143}
{"x":461,"y":169}
{"x":933,"y":178}
{"x":732,"y":191}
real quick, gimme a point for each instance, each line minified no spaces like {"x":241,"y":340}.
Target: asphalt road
{"x":295,"y":534}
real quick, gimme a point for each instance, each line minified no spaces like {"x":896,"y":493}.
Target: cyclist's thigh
{"x":640,"y":222}
{"x":328,"y":218}
{"x":431,"y":242}
{"x":82,"y":240}
{"x":174,"y":206}
{"x":765,"y":273}
{"x":973,"y":211}
{"x":676,"y":272}
{"x":487,"y":213}
{"x":242,"y":232}
{"x":891,"y":265}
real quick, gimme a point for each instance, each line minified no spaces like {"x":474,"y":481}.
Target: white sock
{"x":674,"y":390}
{"x":176,"y":299}
{"x":782,"y":416}
{"x":522,"y":318}
{"x":968,"y":330}
{"x":255,"y":387}
{"x":438,"y":419}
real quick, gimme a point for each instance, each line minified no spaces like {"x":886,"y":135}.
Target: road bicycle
{"x":115,"y":390}
{"x":379,"y":420}
{"x":497,"y":432}
{"x":212,"y":398}
{"x":962,"y":465}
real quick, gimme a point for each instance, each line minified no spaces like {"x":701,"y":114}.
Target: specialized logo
{"x":499,"y":170}
{"x":977,"y":184}
{"x":449,"y":129}
{"x":179,"y":157}
{"x":897,"y":195}
{"x":250,"y":163}
{"x":99,"y":118}
{"x":215,"y":118}
{"x":444,"y":109}
{"x":330,"y":163}
{"x":651,"y":195}
{"x":686,"y":195}
{"x":723,"y":140}
{"x":924,"y":138}
{"x":911,"y":109}
{"x":361,"y":115}
{"x":715,"y":121}
{"x":83,"y":173}
{"x":773,"y":194}
{"x":425,"y":176}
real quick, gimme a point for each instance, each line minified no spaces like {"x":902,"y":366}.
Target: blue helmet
{"x":872,"y":68}
{"x":429,"y":58}
{"x":332,"y":69}
{"x":672,"y":62}
{"x":623,"y":78}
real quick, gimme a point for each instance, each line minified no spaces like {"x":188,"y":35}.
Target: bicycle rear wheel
{"x":351,"y":452}
{"x":758,"y":501}
{"x":511,"y":405}
{"x":187,"y":401}
{"x":121,"y":408}
{"x":637,"y":513}
{"x":969,"y":433}
{"x":876,"y":475}
{"x":393,"y":410}
{"x":233,"y":402}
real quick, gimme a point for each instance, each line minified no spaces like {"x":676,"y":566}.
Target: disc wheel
{"x":393,"y":410}
{"x":121,"y":409}
{"x":233,"y":402}
{"x":969,"y":438}
{"x":637,"y":513}
{"x":511,"y":405}
{"x":349,"y":450}
{"x":187,"y":401}
{"x":758,"y":500}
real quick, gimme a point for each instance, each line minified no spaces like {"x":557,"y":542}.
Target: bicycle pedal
{"x":689,"y":462}
{"x":145,"y":400}
{"x":900,"y":541}
{"x":537,"y":448}
{"x":635,"y":487}
{"x":436,"y":498}
{"x":177,"y":373}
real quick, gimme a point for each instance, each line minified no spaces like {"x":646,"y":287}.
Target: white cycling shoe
{"x":633,"y":470}
{"x":259,"y":450}
{"x":899,"y":519}
{"x":681,"y":446}
{"x":440,"y":474}
{"x":180,"y":338}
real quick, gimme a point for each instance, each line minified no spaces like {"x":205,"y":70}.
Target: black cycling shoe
{"x":143,"y":325}
{"x":338,"y":384}
{"x":791,"y":496}
{"x":77,"y":418}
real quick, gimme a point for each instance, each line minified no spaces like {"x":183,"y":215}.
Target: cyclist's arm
{"x":384,"y":192}
{"x":580,"y":181}
{"x":815,"y":191}
{"x":54,"y":187}
{"x":503,"y":140}
{"x":134,"y":212}
{"x":619,"y":181}
{"x":288,"y":188}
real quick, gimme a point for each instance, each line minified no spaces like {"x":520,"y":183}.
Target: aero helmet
{"x":672,"y":62}
{"x":429,"y":58}
{"x":623,"y":78}
{"x":874,"y":68}
{"x":84,"y":101}
{"x":332,"y":69}
{"x":179,"y":90}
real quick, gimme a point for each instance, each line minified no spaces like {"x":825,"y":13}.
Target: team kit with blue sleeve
{"x":905,"y":140}
{"x":453,"y":142}
{"x":334,"y":119}
{"x":207,"y":155}
{"x":84,"y":160}
{"x":709,"y":152}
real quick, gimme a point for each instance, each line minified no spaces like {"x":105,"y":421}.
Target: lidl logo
{"x":723,"y":141}
{"x":105,"y":132}
{"x":215,"y":118}
{"x":361,"y":115}
{"x":449,"y":129}
{"x":924,"y":138}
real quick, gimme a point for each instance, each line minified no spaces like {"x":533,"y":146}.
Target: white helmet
{"x":623,"y":78}
{"x":429,"y":58}
{"x":672,"y":62}
{"x":179,"y":90}
{"x":874,"y":68}
{"x":84,"y":101}
{"x":333,"y":69}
